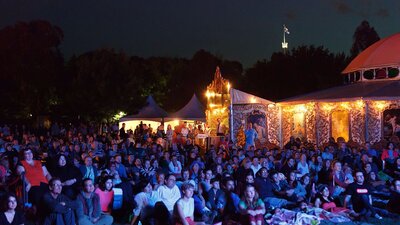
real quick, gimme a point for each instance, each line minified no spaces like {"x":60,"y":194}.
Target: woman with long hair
{"x":106,"y":194}
{"x":324,"y":173}
{"x":325,"y":201}
{"x":9,"y":215}
{"x":252,"y":207}
{"x":70,"y":176}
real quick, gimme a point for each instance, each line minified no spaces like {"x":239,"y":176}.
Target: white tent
{"x":149,"y":114}
{"x":193,"y":110}
{"x":243,"y":98}
{"x":240,"y":97}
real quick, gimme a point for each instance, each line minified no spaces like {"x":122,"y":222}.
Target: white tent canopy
{"x":240,"y":97}
{"x":151,"y":112}
{"x":193,"y":110}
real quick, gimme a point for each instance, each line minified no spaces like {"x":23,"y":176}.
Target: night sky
{"x":237,"y":30}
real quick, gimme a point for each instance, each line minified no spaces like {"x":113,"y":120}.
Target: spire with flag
{"x":285,"y":29}
{"x":284,"y":43}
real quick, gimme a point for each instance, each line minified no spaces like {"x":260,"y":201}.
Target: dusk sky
{"x":237,"y":30}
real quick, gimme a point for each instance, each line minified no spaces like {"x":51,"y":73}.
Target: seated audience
{"x":59,"y":209}
{"x":184,"y":207}
{"x":359,"y":193}
{"x":10,"y":215}
{"x":106,"y":194}
{"x":145,"y":202}
{"x":252,"y":207}
{"x":89,"y":208}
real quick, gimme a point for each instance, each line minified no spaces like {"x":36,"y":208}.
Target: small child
{"x":184,"y":207}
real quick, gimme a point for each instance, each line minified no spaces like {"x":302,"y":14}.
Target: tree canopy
{"x":31,"y":65}
{"x":363,"y":37}
{"x":98,"y":84}
{"x":303,"y":69}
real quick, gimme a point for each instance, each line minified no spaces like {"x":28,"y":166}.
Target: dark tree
{"x":363,"y":37}
{"x":193,"y":76}
{"x":304,"y":69}
{"x":103,"y":83}
{"x":30,"y":66}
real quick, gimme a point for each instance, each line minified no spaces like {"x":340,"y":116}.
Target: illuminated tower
{"x":218,"y":102}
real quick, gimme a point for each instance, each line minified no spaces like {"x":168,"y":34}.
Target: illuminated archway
{"x":340,"y":124}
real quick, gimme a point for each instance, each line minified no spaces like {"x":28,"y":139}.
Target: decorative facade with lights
{"x":367,"y":109}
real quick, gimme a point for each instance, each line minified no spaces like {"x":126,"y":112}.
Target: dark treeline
{"x":37,"y":80}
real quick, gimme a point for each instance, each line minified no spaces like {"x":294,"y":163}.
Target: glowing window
{"x":340,"y":125}
{"x":299,"y":125}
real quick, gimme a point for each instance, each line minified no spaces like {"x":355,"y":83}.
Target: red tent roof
{"x":384,"y":53}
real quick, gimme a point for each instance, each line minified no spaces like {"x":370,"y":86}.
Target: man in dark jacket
{"x":59,"y":209}
{"x":266,"y":190}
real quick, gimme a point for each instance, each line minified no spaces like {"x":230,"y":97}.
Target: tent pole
{"x":280,"y":128}
{"x":231,"y":115}
{"x":231,"y":122}
{"x":366,"y":122}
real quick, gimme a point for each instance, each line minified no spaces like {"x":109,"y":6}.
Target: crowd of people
{"x":88,"y":174}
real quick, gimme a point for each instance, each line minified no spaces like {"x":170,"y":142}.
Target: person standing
{"x":220,"y":128}
{"x":122,"y":132}
{"x":250,"y":135}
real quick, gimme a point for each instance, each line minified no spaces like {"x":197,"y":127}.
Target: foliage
{"x":103,"y":83}
{"x":304,"y":69}
{"x":193,"y":76}
{"x":363,"y":37}
{"x":98,"y":84}
{"x":30,"y":67}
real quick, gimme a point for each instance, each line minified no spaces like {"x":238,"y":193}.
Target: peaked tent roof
{"x":373,"y":90}
{"x":149,"y":112}
{"x":240,"y":97}
{"x":383,"y":53}
{"x":193,"y":110}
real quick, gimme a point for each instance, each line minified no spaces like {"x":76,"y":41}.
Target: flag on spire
{"x":285,"y":29}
